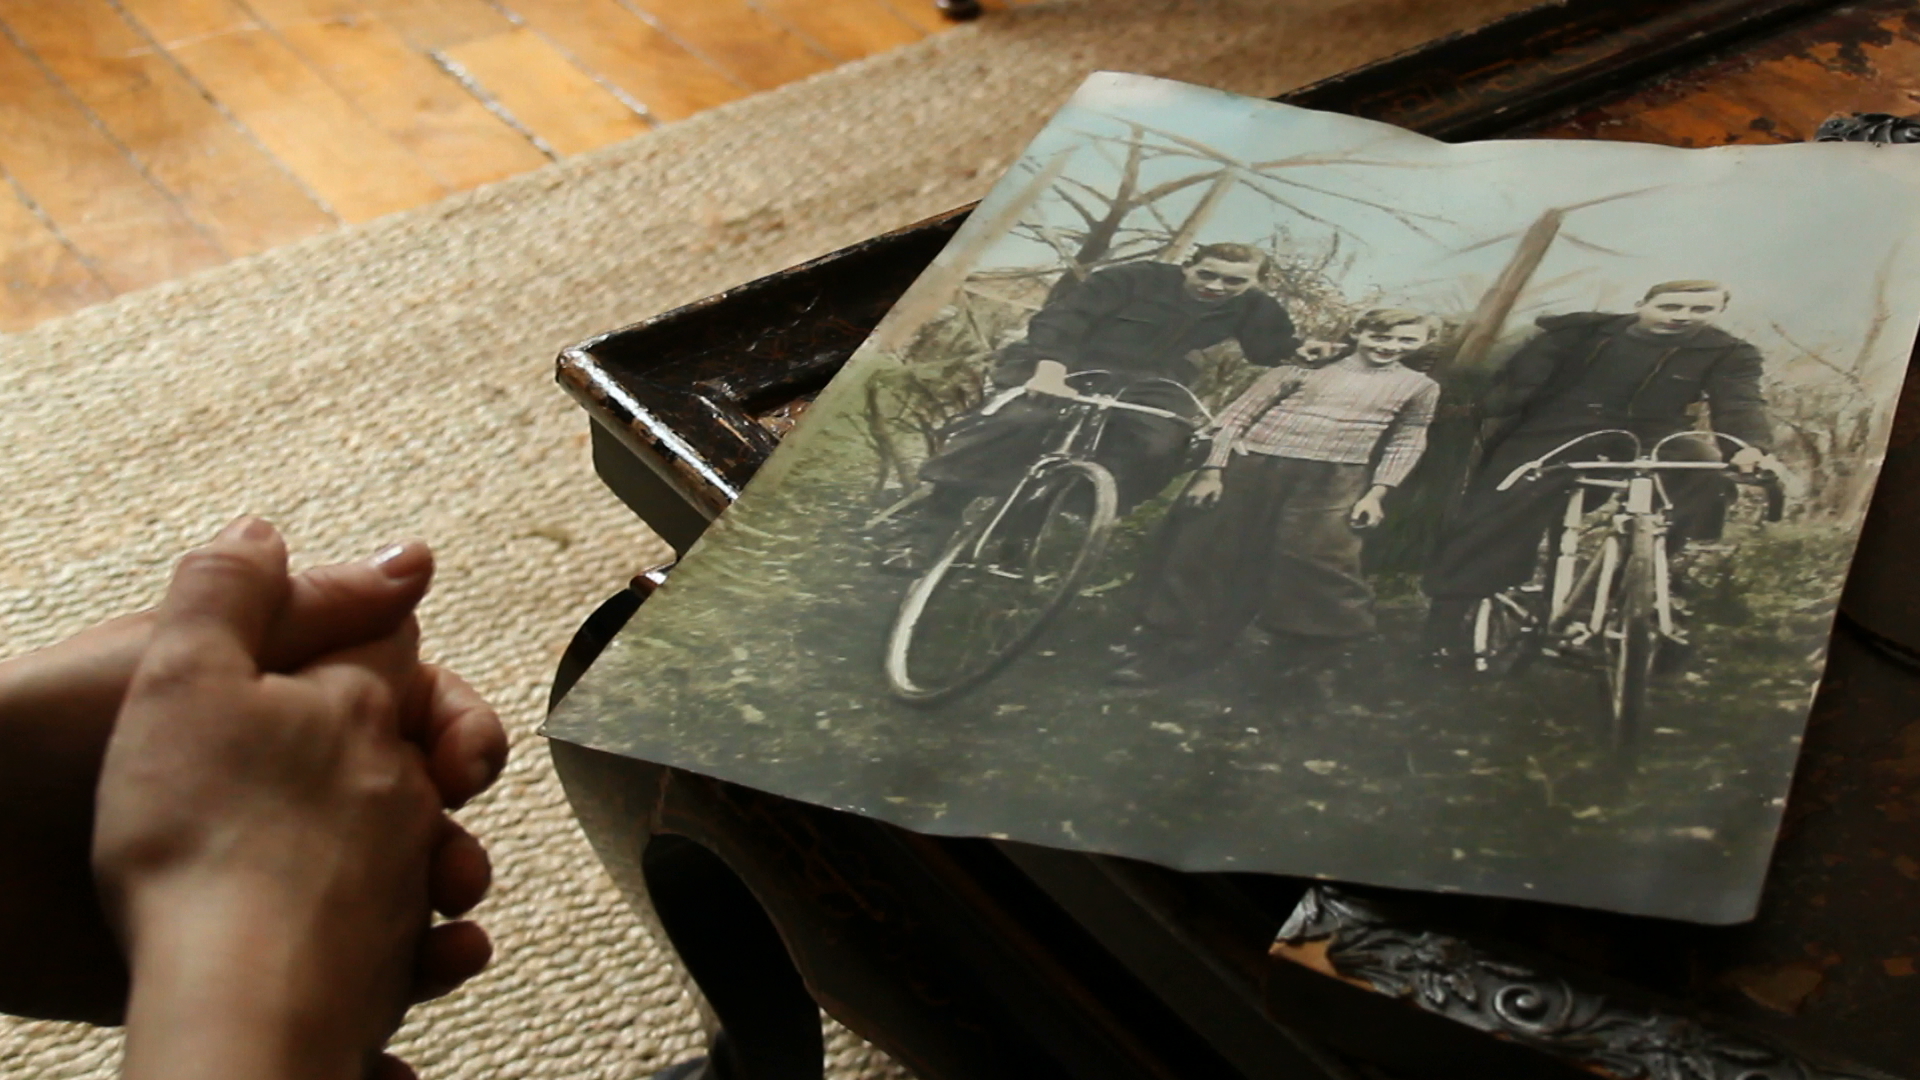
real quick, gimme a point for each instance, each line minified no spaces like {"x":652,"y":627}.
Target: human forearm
{"x":56,"y":711}
{"x":1234,"y":420}
{"x":1748,"y":424}
{"x":1401,"y":453}
{"x":223,"y":992}
{"x":1406,"y":437}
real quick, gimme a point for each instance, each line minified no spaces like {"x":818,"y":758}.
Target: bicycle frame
{"x":1637,"y":496}
{"x":994,"y":561}
{"x":1085,"y":421}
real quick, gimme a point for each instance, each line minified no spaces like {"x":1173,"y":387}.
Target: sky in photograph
{"x":1799,"y":232}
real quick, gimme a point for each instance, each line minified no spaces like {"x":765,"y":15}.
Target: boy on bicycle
{"x":1642,"y":372}
{"x":1269,"y":528}
{"x":1137,"y":323}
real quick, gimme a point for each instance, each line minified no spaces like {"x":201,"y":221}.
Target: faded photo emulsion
{"x":1251,"y":488}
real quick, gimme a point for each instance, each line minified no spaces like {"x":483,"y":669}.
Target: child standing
{"x":1269,"y":528}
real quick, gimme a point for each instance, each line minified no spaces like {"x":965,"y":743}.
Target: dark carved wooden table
{"x":983,"y":959}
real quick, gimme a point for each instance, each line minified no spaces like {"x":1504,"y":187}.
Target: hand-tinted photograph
{"x":1252,"y":488}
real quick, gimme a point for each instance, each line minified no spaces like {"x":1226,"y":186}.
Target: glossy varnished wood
{"x":84,"y":186}
{"x":145,"y":139}
{"x":224,"y":181}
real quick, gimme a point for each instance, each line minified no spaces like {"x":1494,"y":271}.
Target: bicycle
{"x":1606,"y":592}
{"x":1017,"y":558}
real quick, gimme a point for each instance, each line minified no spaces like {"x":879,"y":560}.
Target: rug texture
{"x":394,"y":380}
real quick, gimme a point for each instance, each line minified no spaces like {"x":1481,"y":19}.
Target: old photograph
{"x":1251,"y":488}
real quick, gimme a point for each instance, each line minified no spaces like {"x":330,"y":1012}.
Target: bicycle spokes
{"x":1011,"y":568}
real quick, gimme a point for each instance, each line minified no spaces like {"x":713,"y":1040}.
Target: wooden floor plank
{"x":440,"y":24}
{"x":224,"y":181}
{"x":741,"y":41}
{"x":625,"y":51}
{"x":93,"y":192}
{"x":926,"y":15}
{"x":359,"y":170}
{"x":151,"y":138}
{"x":176,"y":23}
{"x":544,"y":91}
{"x":402,"y":90}
{"x":40,"y":276}
{"x":848,"y":29}
{"x":920,"y":14}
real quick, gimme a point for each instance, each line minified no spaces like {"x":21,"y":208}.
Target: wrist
{"x":219,"y":989}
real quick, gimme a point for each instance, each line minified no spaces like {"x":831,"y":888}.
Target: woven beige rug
{"x":394,"y":380}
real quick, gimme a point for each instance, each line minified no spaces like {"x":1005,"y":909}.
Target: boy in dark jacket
{"x":1592,"y":371}
{"x":1137,"y":322}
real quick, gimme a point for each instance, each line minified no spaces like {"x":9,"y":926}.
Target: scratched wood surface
{"x":141,"y":140}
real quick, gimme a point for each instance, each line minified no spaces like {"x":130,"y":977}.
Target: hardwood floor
{"x":145,"y":139}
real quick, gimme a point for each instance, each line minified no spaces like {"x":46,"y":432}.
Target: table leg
{"x":769,"y":1024}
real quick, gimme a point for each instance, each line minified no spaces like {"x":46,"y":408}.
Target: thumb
{"x":346,"y":604}
{"x":224,"y":595}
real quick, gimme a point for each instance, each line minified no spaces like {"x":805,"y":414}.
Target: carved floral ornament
{"x":1452,"y":978}
{"x":1870,"y":127}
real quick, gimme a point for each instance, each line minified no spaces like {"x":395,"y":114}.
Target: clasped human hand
{"x":271,"y":838}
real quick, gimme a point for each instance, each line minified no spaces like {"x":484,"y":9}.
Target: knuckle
{"x":215,"y":562}
{"x":329,"y":588}
{"x":367,"y":700}
{"x":172,"y":664}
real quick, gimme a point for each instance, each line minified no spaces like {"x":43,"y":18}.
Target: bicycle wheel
{"x":1633,"y":638}
{"x":1505,"y":632}
{"x":1009,"y":570}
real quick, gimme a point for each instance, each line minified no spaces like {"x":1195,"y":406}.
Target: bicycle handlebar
{"x":1772,"y":483}
{"x":1111,"y":401}
{"x":1108,"y":401}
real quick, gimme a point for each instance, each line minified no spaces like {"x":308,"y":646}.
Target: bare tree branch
{"x":1487,"y":243}
{"x":1152,"y":207}
{"x":1154,"y":194}
{"x":1609,"y":198}
{"x":1278,"y":201}
{"x":1881,"y":313}
{"x":1407,"y":218}
{"x":1085,"y":214}
{"x":1852,"y":379}
{"x":1305,"y":161}
{"x":1588,"y":245}
{"x":1089,"y":189}
{"x":1014,"y":274}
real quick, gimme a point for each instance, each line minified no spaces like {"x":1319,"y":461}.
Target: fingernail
{"x":247,"y":527}
{"x":403,"y":561}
